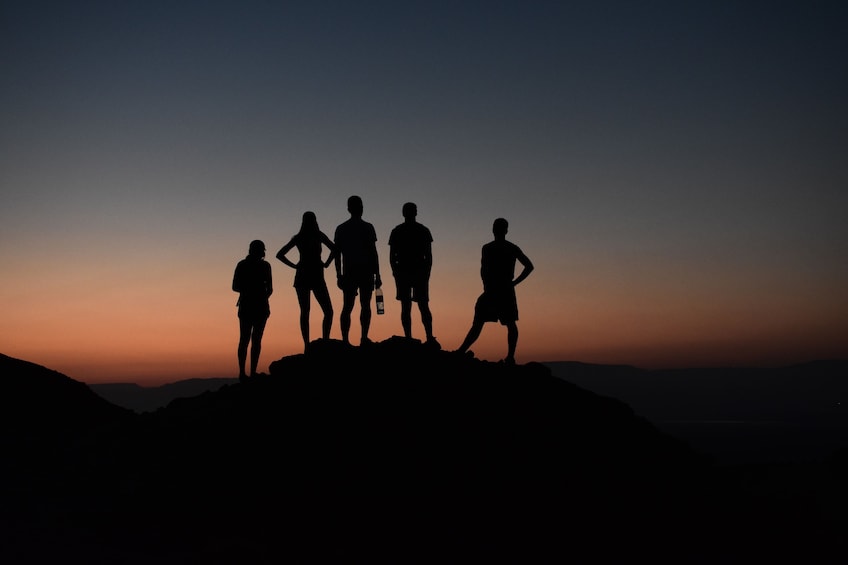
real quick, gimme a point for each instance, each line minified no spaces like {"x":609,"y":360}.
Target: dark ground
{"x":391,"y":453}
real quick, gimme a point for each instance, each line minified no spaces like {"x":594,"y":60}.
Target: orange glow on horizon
{"x":134,"y":329}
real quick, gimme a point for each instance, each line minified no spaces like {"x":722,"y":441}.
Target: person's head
{"x":354,"y":206}
{"x":500,"y":227}
{"x":410,"y":210}
{"x":309,"y":223}
{"x":257,"y":248}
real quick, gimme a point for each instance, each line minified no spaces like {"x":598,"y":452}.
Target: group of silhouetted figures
{"x":353,"y":251}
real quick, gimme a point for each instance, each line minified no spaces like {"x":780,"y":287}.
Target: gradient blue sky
{"x":676,"y":170}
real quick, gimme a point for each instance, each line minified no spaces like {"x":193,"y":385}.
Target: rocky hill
{"x":393,"y":453}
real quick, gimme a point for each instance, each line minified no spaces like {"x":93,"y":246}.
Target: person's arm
{"x":393,"y":257}
{"x":281,"y":254}
{"x":528,"y":267}
{"x":338,"y":262}
{"x":338,"y":258}
{"x":378,"y":282}
{"x":375,"y":259}
{"x":268,"y":276}
{"x":393,"y":251}
{"x":428,"y":257}
{"x":331,"y":246}
{"x":236,"y":280}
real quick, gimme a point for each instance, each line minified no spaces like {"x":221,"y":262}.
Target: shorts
{"x":357,"y":283}
{"x":254,"y":311}
{"x":500,"y":306}
{"x":416,"y":289}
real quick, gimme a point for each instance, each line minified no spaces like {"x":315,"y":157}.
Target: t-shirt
{"x":410,"y":249}
{"x":498,"y":264}
{"x":355,"y":243}
{"x":252,"y":280}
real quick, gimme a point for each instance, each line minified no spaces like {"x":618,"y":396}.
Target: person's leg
{"x":256,"y":344}
{"x":365,"y":310}
{"x":304,"y":302}
{"x":483,"y":311}
{"x":511,"y":341}
{"x":244,"y":339}
{"x":322,"y":296}
{"x":406,"y":316}
{"x":421,"y":294}
{"x":349,"y":297}
{"x":473,"y":334}
{"x":426,"y":319}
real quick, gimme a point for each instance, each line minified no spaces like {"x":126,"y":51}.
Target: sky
{"x":676,"y":171}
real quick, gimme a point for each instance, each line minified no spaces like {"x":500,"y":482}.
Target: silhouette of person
{"x":309,"y":272}
{"x":357,"y":267}
{"x":498,"y":301}
{"x":411,"y":258}
{"x":252,"y":280}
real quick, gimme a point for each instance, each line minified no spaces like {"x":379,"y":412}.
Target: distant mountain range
{"x":390,"y":453}
{"x":736,"y":414}
{"x":150,"y":398}
{"x":739,"y":415}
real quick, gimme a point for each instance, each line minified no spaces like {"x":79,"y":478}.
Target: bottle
{"x":381,"y":309}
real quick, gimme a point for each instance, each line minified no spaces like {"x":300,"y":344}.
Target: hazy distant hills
{"x":815,"y":390}
{"x":735,"y":414}
{"x":811,"y":391}
{"x":148,"y":399}
{"x":393,"y":453}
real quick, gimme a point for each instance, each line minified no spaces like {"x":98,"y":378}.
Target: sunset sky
{"x":677,"y":171}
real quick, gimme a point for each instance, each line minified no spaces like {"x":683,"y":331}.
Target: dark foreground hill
{"x":390,"y":453}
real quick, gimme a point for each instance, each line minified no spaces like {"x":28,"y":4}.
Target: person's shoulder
{"x":421,"y":232}
{"x":514,"y":248}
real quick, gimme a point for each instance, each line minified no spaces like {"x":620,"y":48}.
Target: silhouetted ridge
{"x":394,"y":452}
{"x":38,"y":401}
{"x":399,"y":444}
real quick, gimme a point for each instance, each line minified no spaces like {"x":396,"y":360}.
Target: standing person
{"x":357,"y":267}
{"x":252,"y":280}
{"x":498,"y":301}
{"x":411,"y":258}
{"x":309,"y":272}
